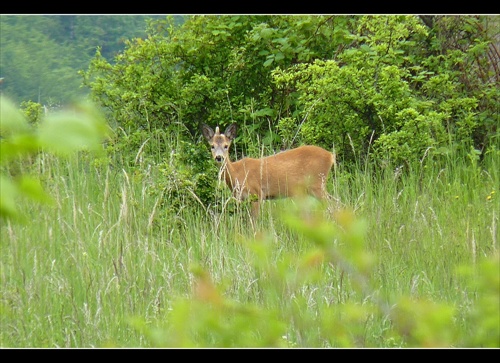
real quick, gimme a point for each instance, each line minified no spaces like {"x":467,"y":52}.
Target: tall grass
{"x":107,"y":265}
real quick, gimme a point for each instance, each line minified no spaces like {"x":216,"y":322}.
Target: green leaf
{"x":8,"y":193}
{"x":71,"y":130}
{"x":11,"y":190}
{"x":264,"y":112}
{"x":366,"y":48}
{"x":11,"y":119}
{"x":17,"y":146}
{"x":31,"y":188}
{"x":279,"y":56}
{"x":268,"y":62}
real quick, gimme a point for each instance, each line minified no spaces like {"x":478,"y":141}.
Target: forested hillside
{"x":41,"y":55}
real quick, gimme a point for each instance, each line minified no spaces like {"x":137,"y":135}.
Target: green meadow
{"x":395,"y":258}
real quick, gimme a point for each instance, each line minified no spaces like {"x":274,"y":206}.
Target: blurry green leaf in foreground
{"x":485,"y":315}
{"x":11,"y":119}
{"x":11,"y":189}
{"x":17,"y":137}
{"x":81,"y":127}
{"x":7,"y":197}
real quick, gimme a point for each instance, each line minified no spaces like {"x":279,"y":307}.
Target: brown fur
{"x":285,"y":174}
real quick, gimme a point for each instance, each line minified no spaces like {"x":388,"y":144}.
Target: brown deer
{"x":285,"y":174}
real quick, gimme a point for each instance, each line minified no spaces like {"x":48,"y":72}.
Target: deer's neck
{"x":229,"y":174}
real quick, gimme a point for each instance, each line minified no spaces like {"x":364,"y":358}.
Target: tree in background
{"x":41,"y":55}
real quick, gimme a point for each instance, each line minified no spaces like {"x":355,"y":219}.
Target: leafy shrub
{"x":387,"y":98}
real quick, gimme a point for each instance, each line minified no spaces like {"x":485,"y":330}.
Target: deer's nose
{"x":218,"y":158}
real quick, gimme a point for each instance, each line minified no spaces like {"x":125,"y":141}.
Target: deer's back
{"x":280,"y":174}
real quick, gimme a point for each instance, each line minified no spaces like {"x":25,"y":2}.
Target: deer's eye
{"x":225,"y":147}
{"x":213,"y":147}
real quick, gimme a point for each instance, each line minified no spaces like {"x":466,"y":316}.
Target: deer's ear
{"x":230,"y":131}
{"x":207,"y":131}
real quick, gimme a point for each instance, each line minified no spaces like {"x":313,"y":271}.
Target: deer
{"x":289,"y":173}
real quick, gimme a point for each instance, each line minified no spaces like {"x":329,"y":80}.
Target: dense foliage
{"x":398,"y":89}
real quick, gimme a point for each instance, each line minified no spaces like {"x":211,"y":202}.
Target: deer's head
{"x":219,"y":143}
